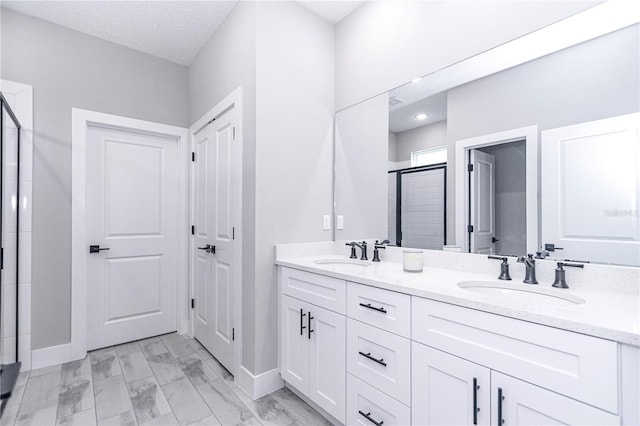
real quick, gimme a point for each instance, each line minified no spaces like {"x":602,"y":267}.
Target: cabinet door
{"x":519,"y":403}
{"x":327,"y":360}
{"x":294,"y":350}
{"x":443,"y":389}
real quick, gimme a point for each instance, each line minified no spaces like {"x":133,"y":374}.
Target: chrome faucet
{"x":530,"y":269}
{"x":376,"y":247}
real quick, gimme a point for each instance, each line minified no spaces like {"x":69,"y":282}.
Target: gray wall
{"x":226,"y":62}
{"x":425,"y":137}
{"x":510,"y":197}
{"x":596,"y":79}
{"x":69,"y":69}
{"x":288,"y":85}
{"x":385,"y":44}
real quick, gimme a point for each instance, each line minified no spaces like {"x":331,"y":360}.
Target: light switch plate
{"x":326,"y":222}
{"x":340,"y":222}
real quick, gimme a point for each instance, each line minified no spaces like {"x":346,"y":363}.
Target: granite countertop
{"x":608,"y":315}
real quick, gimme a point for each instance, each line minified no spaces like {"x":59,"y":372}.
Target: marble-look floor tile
{"x":165,"y":368}
{"x":104,"y":364}
{"x":76,"y":396}
{"x":83,"y":418}
{"x":196,"y":371}
{"x":177,"y":345}
{"x":148,"y":400}
{"x":207,"y":421}
{"x":41,"y":392}
{"x":153,"y":346}
{"x":75,"y":369}
{"x":45,"y":370}
{"x":123,"y":419}
{"x":18,"y":390}
{"x":112,"y":397}
{"x":166,"y":420}
{"x":185,"y":401}
{"x":45,"y":416}
{"x":9,"y":415}
{"x":225,"y":404}
{"x":271,"y":412}
{"x":298,"y":408}
{"x":134,"y":366}
{"x":219,"y":369}
{"x":127,"y":348}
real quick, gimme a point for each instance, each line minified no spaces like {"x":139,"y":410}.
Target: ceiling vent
{"x":395,"y":101}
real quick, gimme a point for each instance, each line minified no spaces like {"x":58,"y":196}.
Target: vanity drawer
{"x":384,"y":309}
{"x":366,"y":405}
{"x":579,"y":366}
{"x":326,"y":292}
{"x":380,"y":358}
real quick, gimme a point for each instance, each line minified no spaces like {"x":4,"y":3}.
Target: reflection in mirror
{"x":541,"y":156}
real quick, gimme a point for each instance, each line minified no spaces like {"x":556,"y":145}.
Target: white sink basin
{"x":344,"y":263}
{"x":524,"y":293}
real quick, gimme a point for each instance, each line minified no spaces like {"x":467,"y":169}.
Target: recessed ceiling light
{"x":417,"y":79}
{"x":421,"y":116}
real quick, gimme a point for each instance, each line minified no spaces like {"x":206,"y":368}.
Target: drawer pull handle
{"x":368,"y":306}
{"x":309,"y":330}
{"x":475,"y":401}
{"x":368,"y":417}
{"x":500,"y":398}
{"x":302,"y":327}
{"x":368,"y":356}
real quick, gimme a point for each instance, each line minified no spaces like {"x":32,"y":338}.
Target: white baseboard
{"x":52,"y":355}
{"x":262,"y":384}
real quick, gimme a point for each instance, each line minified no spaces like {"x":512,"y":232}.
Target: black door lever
{"x":96,"y":249}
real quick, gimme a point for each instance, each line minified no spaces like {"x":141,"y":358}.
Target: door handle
{"x":96,"y":249}
{"x":500,"y":398}
{"x":475,"y":401}
{"x":205,"y":248}
{"x":309,"y":330}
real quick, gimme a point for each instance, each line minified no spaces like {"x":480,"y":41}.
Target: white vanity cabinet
{"x":312,"y":342}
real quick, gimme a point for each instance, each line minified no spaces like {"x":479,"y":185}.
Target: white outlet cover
{"x":340,"y":222}
{"x":326,"y":222}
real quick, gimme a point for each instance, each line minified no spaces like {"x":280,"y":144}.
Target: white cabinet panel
{"x":579,"y":366}
{"x":326,"y":292}
{"x":327,"y":381}
{"x":294,"y":362}
{"x":368,"y":406}
{"x":385,"y":309}
{"x":380,"y":358}
{"x":519,"y":403}
{"x":447,"y":390}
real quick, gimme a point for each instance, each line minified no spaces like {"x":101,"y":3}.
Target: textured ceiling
{"x":332,"y":11}
{"x":172,"y":30}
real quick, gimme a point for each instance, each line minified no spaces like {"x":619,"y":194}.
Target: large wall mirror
{"x":533,"y":146}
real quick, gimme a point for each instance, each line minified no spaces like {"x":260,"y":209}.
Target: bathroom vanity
{"x":370,"y":344}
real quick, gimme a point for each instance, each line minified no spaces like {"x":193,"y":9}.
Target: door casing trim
{"x":232,"y":100}
{"x":80,"y":120}
{"x":462,"y":147}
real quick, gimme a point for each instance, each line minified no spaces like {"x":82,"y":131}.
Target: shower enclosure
{"x":9,"y":226}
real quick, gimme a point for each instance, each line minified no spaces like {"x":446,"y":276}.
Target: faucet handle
{"x":353,"y":250}
{"x":504,"y":267}
{"x":573,"y":265}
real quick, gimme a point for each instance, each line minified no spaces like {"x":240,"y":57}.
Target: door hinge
{"x":193,"y":303}
{"x":234,"y":133}
{"x":193,"y":156}
{"x":233,"y":233}
{"x":233,"y":334}
{"x":470,"y":167}
{"x":193,"y":229}
{"x":469,"y":228}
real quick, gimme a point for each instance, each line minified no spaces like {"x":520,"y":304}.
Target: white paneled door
{"x":214,"y":189}
{"x":482,"y":201}
{"x":132,"y":226}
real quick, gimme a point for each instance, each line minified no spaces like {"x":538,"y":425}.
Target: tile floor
{"x":164,"y":380}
